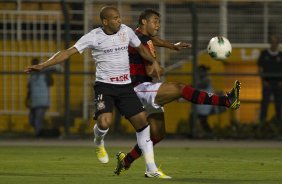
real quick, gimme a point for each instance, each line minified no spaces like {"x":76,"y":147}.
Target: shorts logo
{"x":101,"y":105}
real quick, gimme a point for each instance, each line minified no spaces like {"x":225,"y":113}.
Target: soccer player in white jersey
{"x":109,"y":45}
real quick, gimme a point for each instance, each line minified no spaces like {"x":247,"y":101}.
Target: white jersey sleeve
{"x":134,"y":41}
{"x":85,"y":42}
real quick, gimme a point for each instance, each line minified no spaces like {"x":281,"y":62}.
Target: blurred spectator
{"x":204,"y":83}
{"x":270,"y":63}
{"x":37,"y":99}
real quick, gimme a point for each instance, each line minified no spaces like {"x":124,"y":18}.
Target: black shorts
{"x":122,"y":96}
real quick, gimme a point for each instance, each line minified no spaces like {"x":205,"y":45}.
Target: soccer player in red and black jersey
{"x":154,"y":95}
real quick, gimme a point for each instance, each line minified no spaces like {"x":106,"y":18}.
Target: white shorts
{"x":147,"y":92}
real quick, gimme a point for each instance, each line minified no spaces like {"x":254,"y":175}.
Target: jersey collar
{"x":273,"y":53}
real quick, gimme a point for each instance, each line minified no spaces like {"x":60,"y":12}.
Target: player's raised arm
{"x":173,"y":46}
{"x":57,"y":58}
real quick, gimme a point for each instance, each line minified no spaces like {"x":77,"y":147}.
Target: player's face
{"x":112,"y":22}
{"x":274,"y":42}
{"x":153,"y":25}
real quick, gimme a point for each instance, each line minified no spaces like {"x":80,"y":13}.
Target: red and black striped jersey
{"x":137,"y":63}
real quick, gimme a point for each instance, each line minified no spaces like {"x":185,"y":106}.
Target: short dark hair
{"x":146,"y":14}
{"x":275,"y":37}
{"x":104,"y":10}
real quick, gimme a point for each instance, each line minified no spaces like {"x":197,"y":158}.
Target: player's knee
{"x":104,"y":122}
{"x":139,"y":121}
{"x":103,"y":125}
{"x":180,"y":86}
{"x":140,"y":125}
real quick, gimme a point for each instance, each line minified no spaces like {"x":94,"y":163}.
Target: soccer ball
{"x":219,"y":48}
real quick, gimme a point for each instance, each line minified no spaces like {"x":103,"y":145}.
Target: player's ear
{"x":144,"y":21}
{"x":105,"y":22}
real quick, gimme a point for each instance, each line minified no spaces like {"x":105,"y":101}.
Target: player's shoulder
{"x":96,"y":31}
{"x":143,"y":38}
{"x":123,"y":26}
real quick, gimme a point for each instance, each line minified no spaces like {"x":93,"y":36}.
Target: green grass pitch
{"x":78,"y":165}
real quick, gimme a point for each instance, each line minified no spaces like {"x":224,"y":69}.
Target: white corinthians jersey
{"x":110,"y":53}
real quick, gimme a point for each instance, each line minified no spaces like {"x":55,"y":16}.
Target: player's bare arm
{"x":154,"y":68}
{"x":57,"y":58}
{"x":173,"y":46}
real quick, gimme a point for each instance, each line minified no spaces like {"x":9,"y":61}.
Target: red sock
{"x":135,"y":153}
{"x":201,"y":97}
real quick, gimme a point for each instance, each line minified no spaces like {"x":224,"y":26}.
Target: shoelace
{"x":100,"y":151}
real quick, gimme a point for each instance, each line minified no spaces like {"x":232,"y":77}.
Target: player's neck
{"x":143,"y":31}
{"x":108,"y":31}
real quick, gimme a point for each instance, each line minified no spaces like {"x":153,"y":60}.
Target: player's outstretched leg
{"x":234,"y":94}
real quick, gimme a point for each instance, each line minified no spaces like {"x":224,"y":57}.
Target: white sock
{"x":146,"y":145}
{"x":99,"y":135}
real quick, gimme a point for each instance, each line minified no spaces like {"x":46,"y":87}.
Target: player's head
{"x":149,"y":22}
{"x":274,"y":42}
{"x":110,"y":19}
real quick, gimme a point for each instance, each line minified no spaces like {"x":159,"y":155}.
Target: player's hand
{"x":33,"y":68}
{"x":154,"y":70}
{"x":182,"y":45}
{"x":157,"y":70}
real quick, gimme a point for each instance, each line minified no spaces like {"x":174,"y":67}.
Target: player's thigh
{"x":157,"y":125}
{"x":103,"y":105}
{"x":147,"y":92}
{"x":139,"y":121}
{"x":131,"y":107}
{"x":168,"y":92}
